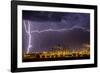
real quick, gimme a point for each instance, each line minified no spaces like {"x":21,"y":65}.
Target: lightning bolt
{"x":28,"y":31}
{"x":60,"y":30}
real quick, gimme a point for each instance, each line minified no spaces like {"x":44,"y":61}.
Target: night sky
{"x":49,"y":29}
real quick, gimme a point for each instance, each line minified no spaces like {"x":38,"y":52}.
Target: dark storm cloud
{"x":57,"y":19}
{"x":52,"y":28}
{"x":42,"y":16}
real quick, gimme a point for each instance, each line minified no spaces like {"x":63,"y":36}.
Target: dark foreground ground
{"x":54,"y":59}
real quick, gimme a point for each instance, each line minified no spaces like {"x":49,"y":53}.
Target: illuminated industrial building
{"x":57,"y":53}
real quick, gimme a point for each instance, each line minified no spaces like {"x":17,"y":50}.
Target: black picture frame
{"x":14,"y":34}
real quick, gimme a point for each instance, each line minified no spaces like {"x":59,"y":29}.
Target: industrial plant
{"x":58,"y":53}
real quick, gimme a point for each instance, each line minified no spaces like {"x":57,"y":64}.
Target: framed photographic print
{"x":51,"y":36}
